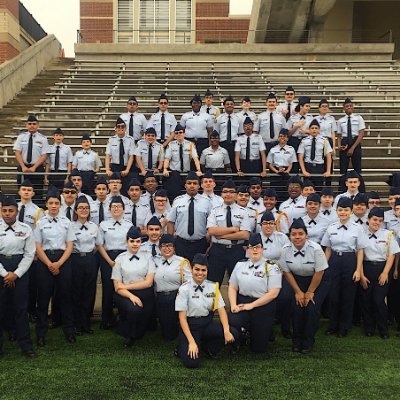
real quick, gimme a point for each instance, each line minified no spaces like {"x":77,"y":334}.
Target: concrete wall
{"x":339,"y":22}
{"x":234,"y":52}
{"x":16,"y":73}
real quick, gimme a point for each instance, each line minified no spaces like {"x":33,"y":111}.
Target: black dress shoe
{"x":176,"y":351}
{"x":12,"y":337}
{"x":287,"y":334}
{"x":384,"y":336}
{"x":29,"y":353}
{"x":306,"y":350}
{"x":342,"y":334}
{"x":369,"y":334}
{"x":40,"y":341}
{"x":128,"y":343}
{"x":235,"y":347}
{"x":330,"y":332}
{"x":32,"y":318}
{"x":78,"y":332}
{"x":296,"y":349}
{"x":55,"y":324}
{"x":70,"y":338}
{"x":210,"y":354}
{"x":88,"y":331}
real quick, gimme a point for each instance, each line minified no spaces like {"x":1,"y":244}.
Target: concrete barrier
{"x":16,"y":73}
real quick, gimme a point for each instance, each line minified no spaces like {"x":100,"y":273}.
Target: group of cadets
{"x":166,"y":262}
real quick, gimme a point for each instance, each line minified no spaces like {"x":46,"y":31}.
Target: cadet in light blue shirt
{"x":315,"y":222}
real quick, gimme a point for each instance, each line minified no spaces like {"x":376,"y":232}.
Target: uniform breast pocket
{"x":220,"y":220}
{"x":263,"y":123}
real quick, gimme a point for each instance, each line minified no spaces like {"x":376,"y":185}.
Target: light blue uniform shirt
{"x":316,"y":227}
{"x":86,"y":235}
{"x":54,"y":233}
{"x":112,"y":234}
{"x":196,"y":124}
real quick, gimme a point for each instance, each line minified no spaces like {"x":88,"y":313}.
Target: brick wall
{"x":11,"y":5}
{"x":96,"y":22}
{"x":7,"y":52}
{"x":212,"y":9}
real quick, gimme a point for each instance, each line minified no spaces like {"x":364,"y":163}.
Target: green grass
{"x":98,"y":368}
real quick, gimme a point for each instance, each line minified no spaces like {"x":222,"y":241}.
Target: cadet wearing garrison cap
{"x":196,"y":302}
{"x":188,"y":219}
{"x":154,"y":232}
{"x":246,"y":112}
{"x":59,"y":161}
{"x":390,"y":215}
{"x":250,"y":151}
{"x":315,"y":222}
{"x":135,"y":123}
{"x":229,"y":228}
{"x":198,"y":126}
{"x":306,"y":269}
{"x":227,"y":126}
{"x":353,"y":183}
{"x":54,"y":238}
{"x":163,"y":122}
{"x":208,"y":185}
{"x":350,"y":132}
{"x":287,"y":108}
{"x":215,"y":158}
{"x":17,"y":250}
{"x":149,"y":153}
{"x":360,"y":210}
{"x":315,"y":155}
{"x":379,"y":256}
{"x":208,"y":106}
{"x":253,"y":288}
{"x":327,"y":200}
{"x":111,"y":242}
{"x":270,"y":123}
{"x":295,"y":206}
{"x":133,"y":275}
{"x":345,"y":242}
{"x":171,"y":271}
{"x":31,"y":149}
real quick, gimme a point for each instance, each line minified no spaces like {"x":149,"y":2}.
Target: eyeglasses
{"x":167,"y":246}
{"x":32,"y":123}
{"x":161,"y":200}
{"x":83,"y":208}
{"x":131,"y":103}
{"x":256,"y":247}
{"x":121,"y":126}
{"x":289,"y":94}
{"x":116,"y":206}
{"x":69,"y":191}
{"x":163,"y":103}
{"x":229,"y":191}
{"x":374,"y":202}
{"x":271,"y":223}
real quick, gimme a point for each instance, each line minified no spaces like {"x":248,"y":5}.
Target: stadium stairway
{"x":87,"y":96}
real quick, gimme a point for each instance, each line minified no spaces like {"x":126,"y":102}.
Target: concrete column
{"x":172,"y":21}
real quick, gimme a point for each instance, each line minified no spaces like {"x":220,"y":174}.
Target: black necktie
{"x":181,"y":156}
{"x":57,"y":159}
{"x":245,"y":114}
{"x":208,"y":110}
{"x":165,"y":262}
{"x":312,"y":222}
{"x":313,"y":143}
{"x":152,"y":208}
{"x":352,"y":196}
{"x":21,"y":213}
{"x":287,"y":116}
{"x":299,"y":253}
{"x":360,"y":221}
{"x":294,"y":201}
{"x":121,"y":152}
{"x":150,"y":157}
{"x":131,"y":125}
{"x":343,"y":226}
{"x":54,"y":220}
{"x":229,"y":129}
{"x":134,"y":215}
{"x":30,"y":149}
{"x":101,"y":212}
{"x":191,"y":217}
{"x":349,"y":135}
{"x":116,"y":223}
{"x":10,"y":228}
{"x":162,"y":126}
{"x":373,"y":236}
{"x":199,"y":288}
{"x":327,"y":212}
{"x":153,"y":250}
{"x":271,"y":126}
{"x":256,"y":202}
{"x":248,"y":149}
{"x":84,"y":227}
{"x":228,"y":217}
{"x":68,"y":213}
{"x":268,"y":240}
{"x":134,"y":257}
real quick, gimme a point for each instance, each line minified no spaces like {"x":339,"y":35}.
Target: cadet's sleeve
{"x":320,"y":260}
{"x":339,"y":127}
{"x":183,"y":121}
{"x":167,"y":154}
{"x":75,"y":160}
{"x":3,"y":271}
{"x":326,"y":240}
{"x":194,"y":152}
{"x":172,"y":215}
{"x":294,"y":155}
{"x":234,"y":276}
{"x":152,"y":266}
{"x":210,"y":121}
{"x":143,"y":122}
{"x":334,"y":125}
{"x":100,"y":236}
{"x":256,"y":127}
{"x":181,"y":301}
{"x":237,"y":145}
{"x":134,"y":150}
{"x":262,"y":144}
{"x":328,"y":147}
{"x":29,"y":254}
{"x":247,"y":223}
{"x":362,"y":239}
{"x":174,"y":123}
{"x":37,"y":234}
{"x":394,"y":247}
{"x":187,"y":272}
{"x":301,"y":147}
{"x":203,"y":158}
{"x":70,"y":156}
{"x":282,"y":263}
{"x":217,"y":125}
{"x":70,"y":233}
{"x":211,"y":220}
{"x":108,"y":147}
{"x":361,"y":122}
{"x":269,"y":157}
{"x":98,"y":161}
{"x":226,"y":157}
{"x":274,"y":278}
{"x":45,"y":147}
{"x":161,"y":154}
{"x":17,"y":145}
{"x":221,"y":302}
{"x":116,"y":274}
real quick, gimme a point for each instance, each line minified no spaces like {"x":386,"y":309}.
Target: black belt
{"x":11,"y":256}
{"x":54,"y":251}
{"x":228,"y":246}
{"x":82,"y":254}
{"x":378,"y":263}
{"x":166,"y":293}
{"x":343,"y":253}
{"x":190,"y":241}
{"x":314,"y":164}
{"x":60,"y":170}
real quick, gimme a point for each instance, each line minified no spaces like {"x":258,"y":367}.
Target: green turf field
{"x":97,"y":367}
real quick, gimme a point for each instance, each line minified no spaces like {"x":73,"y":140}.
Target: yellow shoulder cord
{"x":190,"y":150}
{"x":325,"y":146}
{"x":181,"y":267}
{"x":255,"y":225}
{"x":39,"y":210}
{"x":389,"y":238}
{"x":266,"y":268}
{"x":278,"y":220}
{"x":216,"y":298}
